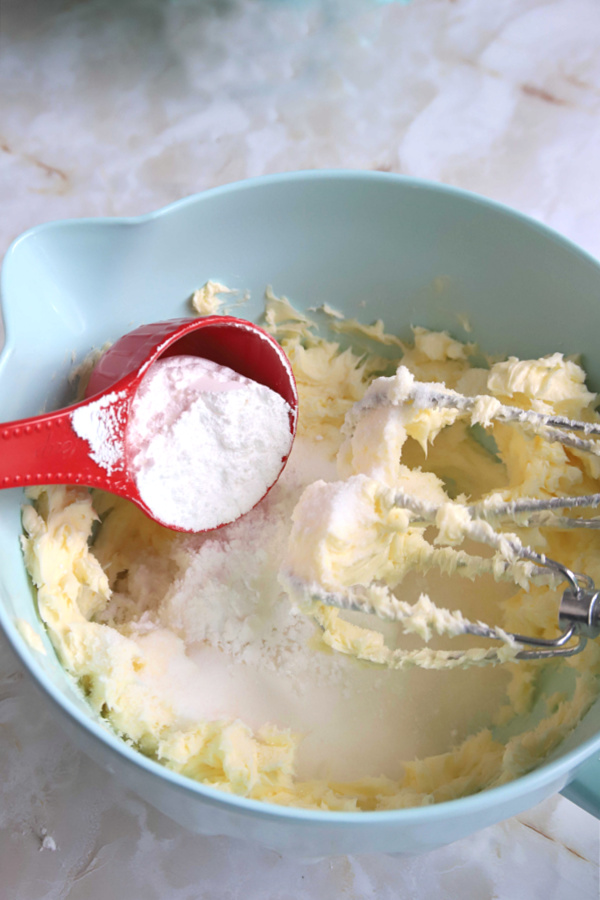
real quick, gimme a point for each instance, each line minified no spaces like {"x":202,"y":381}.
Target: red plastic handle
{"x":46,"y":450}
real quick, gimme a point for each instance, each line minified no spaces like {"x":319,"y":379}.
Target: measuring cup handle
{"x":46,"y":450}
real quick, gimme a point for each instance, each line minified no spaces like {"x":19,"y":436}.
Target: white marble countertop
{"x":117,"y":109}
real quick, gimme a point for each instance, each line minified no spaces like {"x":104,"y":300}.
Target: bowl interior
{"x":373,"y":246}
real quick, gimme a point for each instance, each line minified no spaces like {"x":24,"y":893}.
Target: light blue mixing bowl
{"x":418,"y":253}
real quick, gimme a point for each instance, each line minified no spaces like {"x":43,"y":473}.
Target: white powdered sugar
{"x":255,"y":658}
{"x":204,"y":442}
{"x":100,"y":425}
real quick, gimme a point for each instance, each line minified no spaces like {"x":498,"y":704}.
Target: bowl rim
{"x":550,"y":771}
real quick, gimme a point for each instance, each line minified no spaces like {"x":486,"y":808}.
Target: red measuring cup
{"x":47,"y":450}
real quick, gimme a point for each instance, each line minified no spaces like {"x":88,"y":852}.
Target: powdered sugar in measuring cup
{"x":205,"y":443}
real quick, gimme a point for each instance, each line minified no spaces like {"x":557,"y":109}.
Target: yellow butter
{"x":345,"y":532}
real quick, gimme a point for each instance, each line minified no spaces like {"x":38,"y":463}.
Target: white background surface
{"x":119,"y":108}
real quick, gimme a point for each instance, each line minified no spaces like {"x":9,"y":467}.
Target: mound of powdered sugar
{"x":204,"y":443}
